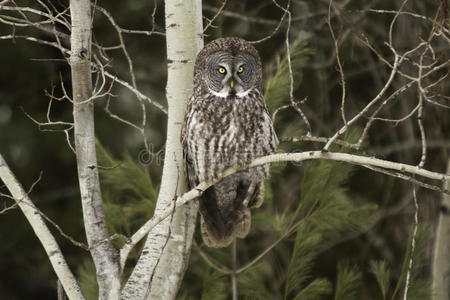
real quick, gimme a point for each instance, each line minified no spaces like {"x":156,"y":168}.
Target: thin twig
{"x":340,"y":68}
{"x":276,"y":28}
{"x":224,"y":2}
{"x":233,"y":274}
{"x":294,"y":139}
{"x":294,"y":104}
{"x":275,"y":158}
{"x":413,"y":244}
{"x":211,"y":262}
{"x":42,"y":232}
{"x":136,"y":91}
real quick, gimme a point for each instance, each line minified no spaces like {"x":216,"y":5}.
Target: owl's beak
{"x":231,"y":83}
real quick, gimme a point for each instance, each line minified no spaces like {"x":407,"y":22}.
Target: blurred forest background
{"x":359,"y":232}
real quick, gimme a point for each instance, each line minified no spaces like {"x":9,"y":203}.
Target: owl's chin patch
{"x":230,"y":93}
{"x":220,"y":94}
{"x":242,"y":94}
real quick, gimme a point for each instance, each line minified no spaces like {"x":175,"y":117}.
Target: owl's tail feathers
{"x":215,"y":237}
{"x":220,"y":225}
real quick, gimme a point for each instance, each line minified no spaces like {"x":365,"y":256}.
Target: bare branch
{"x":7,"y":208}
{"x":338,"y":59}
{"x":212,"y":263}
{"x":276,"y":28}
{"x":36,"y":40}
{"x":224,"y":2}
{"x":42,"y":232}
{"x":413,"y":244}
{"x":233,"y":275}
{"x":252,"y":19}
{"x":280,"y":158}
{"x":136,"y":92}
{"x":291,"y":75}
{"x":37,"y":12}
{"x":368,"y":106}
{"x":317,"y":139}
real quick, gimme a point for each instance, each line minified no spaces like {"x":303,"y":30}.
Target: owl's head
{"x":228,"y":67}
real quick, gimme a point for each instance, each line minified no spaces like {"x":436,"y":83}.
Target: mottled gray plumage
{"x":227,"y":124}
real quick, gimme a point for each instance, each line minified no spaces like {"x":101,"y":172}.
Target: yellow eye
{"x":241,"y":69}
{"x":222,"y":70}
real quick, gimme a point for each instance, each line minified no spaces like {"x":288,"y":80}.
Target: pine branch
{"x":274,"y":158}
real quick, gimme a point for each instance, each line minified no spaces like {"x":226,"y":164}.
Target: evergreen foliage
{"x":215,"y":285}
{"x":128,"y":192}
{"x":129,"y":199}
{"x":383,"y":275}
{"x":278,"y":85}
{"x":317,"y":289}
{"x":347,"y":285}
{"x":324,"y":217}
{"x":327,"y":216}
{"x":252,"y":284}
{"x":88,"y":280}
{"x":418,"y":287}
{"x":320,"y":210}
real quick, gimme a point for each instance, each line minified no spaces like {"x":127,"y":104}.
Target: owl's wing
{"x":273,"y":139}
{"x":189,"y":164}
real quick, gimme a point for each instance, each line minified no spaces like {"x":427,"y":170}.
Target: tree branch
{"x":104,"y":255}
{"x":42,"y":232}
{"x":160,"y":269}
{"x":364,"y":161}
{"x":441,"y":249}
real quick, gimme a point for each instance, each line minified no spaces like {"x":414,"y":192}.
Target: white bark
{"x":195,"y":192}
{"x":161,"y":267}
{"x":349,"y":158}
{"x":42,"y":232}
{"x":441,"y":255}
{"x":105,"y":256}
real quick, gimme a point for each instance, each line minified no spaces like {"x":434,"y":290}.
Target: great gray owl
{"x":227,"y":124}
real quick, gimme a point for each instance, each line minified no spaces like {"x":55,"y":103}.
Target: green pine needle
{"x":88,"y":280}
{"x":302,"y":259}
{"x":251,"y":283}
{"x":347,"y":285}
{"x":327,"y":217}
{"x":278,"y":86}
{"x":318,"y":289}
{"x":128,"y":192}
{"x":215,"y":285}
{"x":383,"y":275}
{"x":417,"y":286}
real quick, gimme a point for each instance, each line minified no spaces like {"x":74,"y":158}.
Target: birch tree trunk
{"x":104,"y":254}
{"x":441,"y":255}
{"x":161,"y":267}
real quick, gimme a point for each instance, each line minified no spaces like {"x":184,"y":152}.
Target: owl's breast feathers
{"x":220,"y":133}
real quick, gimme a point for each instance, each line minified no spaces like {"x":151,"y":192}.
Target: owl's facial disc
{"x":231,"y":83}
{"x":229,"y":75}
